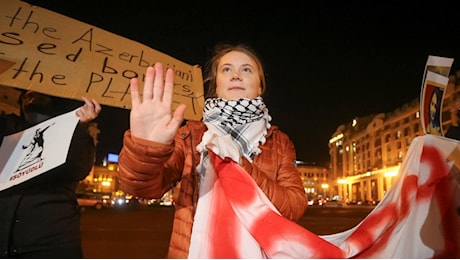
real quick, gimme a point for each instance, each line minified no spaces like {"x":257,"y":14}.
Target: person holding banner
{"x":454,"y":130}
{"x":159,"y":152}
{"x":40,"y":217}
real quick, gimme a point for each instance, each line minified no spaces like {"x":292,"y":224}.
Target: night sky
{"x":325,"y":62}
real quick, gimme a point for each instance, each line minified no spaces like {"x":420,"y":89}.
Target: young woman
{"x":158,"y":152}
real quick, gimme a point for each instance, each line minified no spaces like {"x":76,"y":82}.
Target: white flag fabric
{"x":29,"y":153}
{"x":419,"y":217}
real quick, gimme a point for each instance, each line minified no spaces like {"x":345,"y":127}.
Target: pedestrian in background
{"x":158,"y":152}
{"x":40,"y":217}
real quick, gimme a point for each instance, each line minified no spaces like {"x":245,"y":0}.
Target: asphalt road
{"x":144,"y":232}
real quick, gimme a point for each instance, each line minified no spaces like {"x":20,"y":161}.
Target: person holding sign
{"x":454,"y":130}
{"x":40,"y":217}
{"x":159,"y":152}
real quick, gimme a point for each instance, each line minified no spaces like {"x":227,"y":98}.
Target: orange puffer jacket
{"x":149,"y":170}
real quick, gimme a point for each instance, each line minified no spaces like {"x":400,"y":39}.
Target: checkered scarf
{"x":245,"y":120}
{"x":236,"y":128}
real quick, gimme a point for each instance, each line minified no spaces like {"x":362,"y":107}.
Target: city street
{"x":144,"y":232}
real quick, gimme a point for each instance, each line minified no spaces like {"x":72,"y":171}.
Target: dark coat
{"x":453,"y":132}
{"x":41,"y":217}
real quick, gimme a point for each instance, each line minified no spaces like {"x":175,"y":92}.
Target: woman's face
{"x":237,"y":77}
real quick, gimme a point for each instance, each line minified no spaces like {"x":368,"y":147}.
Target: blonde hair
{"x":212,"y":66}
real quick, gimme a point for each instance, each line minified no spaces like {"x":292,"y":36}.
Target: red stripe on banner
{"x":242,"y":192}
{"x":382,"y":223}
{"x":420,"y":216}
{"x":224,"y":227}
{"x":282,"y":238}
{"x":277,"y":235}
{"x":440,"y":188}
{"x":438,"y":167}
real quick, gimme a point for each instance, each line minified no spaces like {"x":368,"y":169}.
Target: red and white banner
{"x":419,"y":217}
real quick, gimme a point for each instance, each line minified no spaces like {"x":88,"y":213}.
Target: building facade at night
{"x":315,"y":180}
{"x":366,"y":154}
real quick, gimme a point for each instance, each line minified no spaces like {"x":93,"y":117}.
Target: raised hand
{"x":89,"y":111}
{"x":151,"y":115}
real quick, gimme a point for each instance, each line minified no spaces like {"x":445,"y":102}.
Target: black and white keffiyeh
{"x":245,"y":120}
{"x":236,"y":128}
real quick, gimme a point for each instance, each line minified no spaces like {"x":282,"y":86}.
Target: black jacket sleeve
{"x":81,"y":156}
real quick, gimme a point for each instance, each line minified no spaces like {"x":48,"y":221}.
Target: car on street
{"x":167,"y":200}
{"x":90,"y":200}
{"x":316,"y":202}
{"x":333,"y":204}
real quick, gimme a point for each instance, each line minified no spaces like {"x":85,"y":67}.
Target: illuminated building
{"x":366,"y":154}
{"x":315,"y":180}
{"x":104,"y":178}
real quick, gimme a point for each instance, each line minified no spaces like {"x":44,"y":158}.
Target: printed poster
{"x":29,"y":153}
{"x":434,"y":85}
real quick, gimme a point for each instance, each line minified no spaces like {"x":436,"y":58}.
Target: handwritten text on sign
{"x":54,"y":54}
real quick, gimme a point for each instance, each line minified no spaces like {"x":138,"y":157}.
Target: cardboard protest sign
{"x":434,"y":84}
{"x":36,"y":150}
{"x":50,"y":53}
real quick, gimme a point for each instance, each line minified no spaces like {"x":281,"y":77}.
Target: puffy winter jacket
{"x":149,"y":170}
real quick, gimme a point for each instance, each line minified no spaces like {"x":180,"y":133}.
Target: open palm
{"x":151,"y":114}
